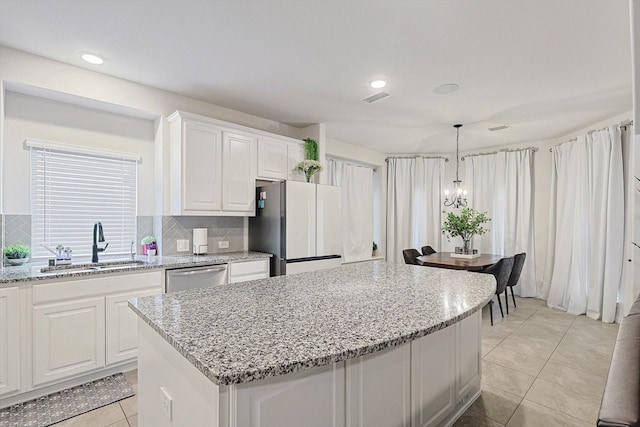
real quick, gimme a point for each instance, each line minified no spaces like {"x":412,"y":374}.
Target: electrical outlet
{"x":223,"y":244}
{"x":166,"y":403}
{"x":183,"y":245}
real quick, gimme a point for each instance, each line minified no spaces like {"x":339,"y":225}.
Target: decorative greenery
{"x":465,"y":225}
{"x":309,"y":167}
{"x":147,"y":240}
{"x":375,"y":246}
{"x":17,"y":251}
{"x":310,"y":149}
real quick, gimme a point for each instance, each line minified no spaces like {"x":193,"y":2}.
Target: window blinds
{"x":72,"y":191}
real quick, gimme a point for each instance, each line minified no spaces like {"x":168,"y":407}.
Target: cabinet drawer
{"x":248,"y":270}
{"x":87,"y":287}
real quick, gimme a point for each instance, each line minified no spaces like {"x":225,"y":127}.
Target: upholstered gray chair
{"x":410,"y":256}
{"x":518,"y":263}
{"x":501,"y":270}
{"x":427,"y":250}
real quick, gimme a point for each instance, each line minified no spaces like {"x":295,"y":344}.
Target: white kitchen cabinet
{"x":295,"y":154}
{"x":213,"y":168}
{"x":238,"y":172}
{"x":68,"y":339}
{"x":248,"y":270}
{"x":9,"y":341}
{"x":273,"y":162}
{"x":122,"y":326}
{"x":469,"y":364}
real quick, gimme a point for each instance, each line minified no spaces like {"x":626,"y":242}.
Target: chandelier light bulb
{"x":446,"y":192}
{"x":464,"y":193}
{"x":459,"y":191}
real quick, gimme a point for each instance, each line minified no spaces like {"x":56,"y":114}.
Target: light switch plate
{"x":183,"y":245}
{"x":223,"y":244}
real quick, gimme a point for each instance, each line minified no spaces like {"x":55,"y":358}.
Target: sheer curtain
{"x":583,"y":271}
{"x":414,"y":205}
{"x":501,"y":184}
{"x":357,"y":207}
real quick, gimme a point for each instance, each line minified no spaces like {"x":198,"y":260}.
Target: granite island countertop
{"x":263,"y":328}
{"x":17,"y":275}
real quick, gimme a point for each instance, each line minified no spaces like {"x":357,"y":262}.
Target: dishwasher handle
{"x":191,"y":273}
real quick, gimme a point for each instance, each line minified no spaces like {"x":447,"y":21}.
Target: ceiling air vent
{"x":375,"y":97}
{"x":497,"y":128}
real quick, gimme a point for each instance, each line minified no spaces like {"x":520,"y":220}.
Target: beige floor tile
{"x":583,"y":341}
{"x":529,"y":302}
{"x":536,"y":328}
{"x":584,"y":360}
{"x":100,"y":417}
{"x":496,"y":378}
{"x":530,"y":414}
{"x":564,"y":399}
{"x":576,"y":379}
{"x":474,"y":420}
{"x":498,"y":406}
{"x":538,"y":347}
{"x":553,"y":316}
{"x":514,"y":360}
{"x":133,"y":421}
{"x":489,"y":343}
{"x":130,"y":405}
{"x":132,"y":376}
{"x":122,"y":423}
{"x":500,"y":326}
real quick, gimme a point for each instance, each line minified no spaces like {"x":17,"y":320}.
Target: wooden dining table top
{"x":445,"y":260}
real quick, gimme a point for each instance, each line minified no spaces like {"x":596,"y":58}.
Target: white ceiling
{"x":545,"y":67}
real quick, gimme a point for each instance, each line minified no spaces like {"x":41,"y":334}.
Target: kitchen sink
{"x":93,"y":266}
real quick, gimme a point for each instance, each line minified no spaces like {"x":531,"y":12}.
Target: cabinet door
{"x":239,"y":180}
{"x":202,"y":167}
{"x":248,"y":270}
{"x":68,"y":339}
{"x":272,"y":159}
{"x":433,"y":377}
{"x":9,"y":341}
{"x":122,"y":326}
{"x":469,"y":356}
{"x":295,"y":153}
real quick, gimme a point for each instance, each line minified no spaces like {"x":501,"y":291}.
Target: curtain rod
{"x":504,"y":150}
{"x":623,"y":126}
{"x":446,"y":159}
{"x":359,"y":165}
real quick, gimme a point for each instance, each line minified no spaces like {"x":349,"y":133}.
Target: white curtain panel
{"x":586,"y":226}
{"x":357,"y":208}
{"x":414,"y":205}
{"x":501,"y":184}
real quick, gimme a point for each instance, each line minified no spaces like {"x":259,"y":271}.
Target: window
{"x":72,"y":188}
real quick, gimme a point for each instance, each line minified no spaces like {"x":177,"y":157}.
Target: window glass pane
{"x":71,"y":191}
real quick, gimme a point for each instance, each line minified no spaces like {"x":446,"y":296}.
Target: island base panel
{"x":430,"y":381}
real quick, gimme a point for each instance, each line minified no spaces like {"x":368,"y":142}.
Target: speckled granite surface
{"x":263,"y":328}
{"x":12,"y":276}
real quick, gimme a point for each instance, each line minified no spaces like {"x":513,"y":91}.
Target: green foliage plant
{"x":310,"y":149}
{"x":17,"y":251}
{"x":465,"y":225}
{"x":375,"y":246}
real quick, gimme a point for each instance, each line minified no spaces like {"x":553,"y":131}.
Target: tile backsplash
{"x":175,"y":228}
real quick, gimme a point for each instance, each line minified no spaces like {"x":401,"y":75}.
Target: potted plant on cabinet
{"x":374,"y":251}
{"x":466,"y":225}
{"x":17,"y":254}
{"x":148,"y":242}
{"x":310,"y":165}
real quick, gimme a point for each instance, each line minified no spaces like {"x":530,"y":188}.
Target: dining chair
{"x":427,"y":250}
{"x":518,"y":263}
{"x":501,"y":270}
{"x":410,"y":256}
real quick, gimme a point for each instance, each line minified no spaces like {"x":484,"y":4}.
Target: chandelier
{"x":459,"y":197}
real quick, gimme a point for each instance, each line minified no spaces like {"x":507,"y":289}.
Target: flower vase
{"x":308,"y":175}
{"x":466,"y":247}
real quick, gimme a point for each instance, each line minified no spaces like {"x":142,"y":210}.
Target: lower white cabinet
{"x":248,"y":270}
{"x":9,"y":341}
{"x":84,"y":325}
{"x":122,"y":326}
{"x":68,"y":339}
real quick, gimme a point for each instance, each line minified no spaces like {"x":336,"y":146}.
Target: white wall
{"x":345,"y":151}
{"x":114,"y":94}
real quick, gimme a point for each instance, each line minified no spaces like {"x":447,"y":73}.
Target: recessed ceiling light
{"x":446,"y":88}
{"x":378,"y":83}
{"x":92,"y":58}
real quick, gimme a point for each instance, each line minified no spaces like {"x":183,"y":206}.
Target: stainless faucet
{"x":98,"y":237}
{"x":133,"y":252}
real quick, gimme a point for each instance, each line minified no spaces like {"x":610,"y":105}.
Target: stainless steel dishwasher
{"x":182,"y":279}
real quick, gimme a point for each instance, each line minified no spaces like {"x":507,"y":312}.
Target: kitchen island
{"x":371,"y":344}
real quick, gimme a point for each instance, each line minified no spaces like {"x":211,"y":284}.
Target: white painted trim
{"x":60,"y":146}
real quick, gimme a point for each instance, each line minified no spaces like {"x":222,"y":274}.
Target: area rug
{"x":59,"y":406}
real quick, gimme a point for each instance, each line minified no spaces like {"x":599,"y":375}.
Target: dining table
{"x":445,"y":260}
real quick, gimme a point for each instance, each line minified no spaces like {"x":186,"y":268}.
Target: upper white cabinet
{"x":273,"y":162}
{"x":9,"y":341}
{"x":213,"y":168}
